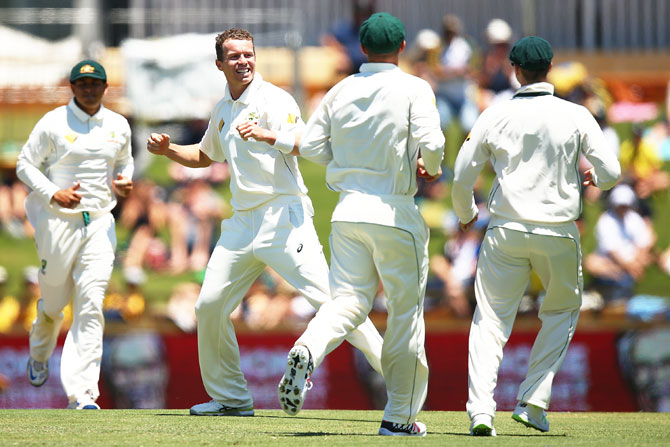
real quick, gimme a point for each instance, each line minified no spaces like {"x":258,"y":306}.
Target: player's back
{"x":374,"y":150}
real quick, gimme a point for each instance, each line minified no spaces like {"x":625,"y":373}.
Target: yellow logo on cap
{"x":71,"y":137}
{"x":221,"y":123}
{"x":87,"y":69}
{"x":292,"y":119}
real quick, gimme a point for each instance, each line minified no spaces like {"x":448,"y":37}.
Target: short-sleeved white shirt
{"x":258,"y":171}
{"x":68,"y":146}
{"x":623,"y":236}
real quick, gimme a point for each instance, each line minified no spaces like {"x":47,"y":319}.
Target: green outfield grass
{"x":314,"y":427}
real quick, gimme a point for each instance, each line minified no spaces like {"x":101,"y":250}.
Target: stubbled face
{"x":88,"y":92}
{"x":238,"y":65}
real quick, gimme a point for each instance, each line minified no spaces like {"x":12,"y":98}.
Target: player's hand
{"x":422,"y":173}
{"x":68,"y":198}
{"x":158,"y":143}
{"x":467,"y":226}
{"x":249,"y":129}
{"x":588,"y":178}
{"x":123,"y":185}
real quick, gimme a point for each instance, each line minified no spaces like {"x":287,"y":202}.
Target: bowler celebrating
{"x":254,"y":127}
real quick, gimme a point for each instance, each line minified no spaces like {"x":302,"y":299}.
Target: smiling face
{"x":238,"y":64}
{"x":88,"y":93}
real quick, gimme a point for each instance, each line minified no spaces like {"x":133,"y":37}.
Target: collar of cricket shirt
{"x":536,"y":89}
{"x":374,"y":67}
{"x":248,"y":94}
{"x":83,"y":116}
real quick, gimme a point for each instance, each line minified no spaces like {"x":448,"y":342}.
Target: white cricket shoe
{"x":37,"y":372}
{"x":296,"y":381}
{"x":86,"y":402}
{"x":482,"y":425}
{"x":394,"y":429}
{"x":214,"y":408}
{"x":531,"y":416}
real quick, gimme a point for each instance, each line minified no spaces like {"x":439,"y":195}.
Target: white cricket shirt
{"x":369,"y":130}
{"x":258,"y":171}
{"x":68,"y":146}
{"x":533,"y":142}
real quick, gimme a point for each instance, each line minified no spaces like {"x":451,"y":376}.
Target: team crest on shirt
{"x":221,"y":123}
{"x":71,"y":137}
{"x":253,"y":116}
{"x":292,"y":119}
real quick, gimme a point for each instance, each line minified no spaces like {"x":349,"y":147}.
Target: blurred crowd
{"x":171,"y":230}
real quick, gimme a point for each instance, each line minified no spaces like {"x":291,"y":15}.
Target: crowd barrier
{"x":605,"y":369}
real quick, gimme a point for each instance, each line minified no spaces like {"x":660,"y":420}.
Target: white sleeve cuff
{"x":284,"y":141}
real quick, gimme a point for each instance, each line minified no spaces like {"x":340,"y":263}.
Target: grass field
{"x":315,"y":427}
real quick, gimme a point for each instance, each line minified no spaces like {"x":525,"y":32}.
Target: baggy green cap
{"x":88,"y":69}
{"x":382,"y":33}
{"x":532,"y":53}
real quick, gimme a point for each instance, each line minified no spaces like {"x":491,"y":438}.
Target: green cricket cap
{"x":382,"y":33}
{"x":88,"y":69}
{"x":532,"y":53}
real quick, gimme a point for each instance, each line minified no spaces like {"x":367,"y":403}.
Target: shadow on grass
{"x":269,"y":416}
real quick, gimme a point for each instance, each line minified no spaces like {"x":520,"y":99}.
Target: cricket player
{"x":375,"y":131}
{"x":534,"y":142}
{"x":254,"y":127}
{"x":76,"y":157}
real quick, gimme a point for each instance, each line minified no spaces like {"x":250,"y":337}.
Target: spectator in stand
{"x":194,"y":213}
{"x":454,"y":92}
{"x":144,"y":213}
{"x":13,"y":194}
{"x":344,"y":38}
{"x":623,"y":251}
{"x":10,"y":307}
{"x":455,"y":268}
{"x":496,"y":78}
{"x":641,"y":165}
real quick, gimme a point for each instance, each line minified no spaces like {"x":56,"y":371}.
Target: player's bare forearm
{"x":190,"y":155}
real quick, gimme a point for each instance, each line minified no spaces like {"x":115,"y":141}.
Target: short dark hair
{"x":231,"y":34}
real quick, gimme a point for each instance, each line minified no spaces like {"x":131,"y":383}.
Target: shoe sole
{"x":481,"y":430}
{"x":291,"y":385}
{"x":224,"y":413}
{"x":528,"y":424}
{"x":386,"y":432}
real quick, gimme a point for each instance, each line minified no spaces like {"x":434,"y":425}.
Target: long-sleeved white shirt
{"x":258,"y":171}
{"x":369,"y":131}
{"x":68,"y":146}
{"x":533,"y":142}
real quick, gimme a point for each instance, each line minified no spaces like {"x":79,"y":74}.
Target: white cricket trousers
{"x":279,"y":234}
{"x":503,"y":271}
{"x":74,"y":258}
{"x":362,"y":254}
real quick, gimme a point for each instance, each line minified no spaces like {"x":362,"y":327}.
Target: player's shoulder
{"x":270,"y":90}
{"x":52,"y":117}
{"x":117,"y":119}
